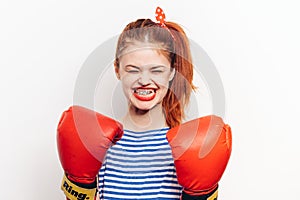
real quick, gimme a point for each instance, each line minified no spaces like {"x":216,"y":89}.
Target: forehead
{"x":142,"y":56}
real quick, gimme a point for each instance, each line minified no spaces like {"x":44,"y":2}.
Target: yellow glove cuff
{"x":75,"y":192}
{"x":213,"y":196}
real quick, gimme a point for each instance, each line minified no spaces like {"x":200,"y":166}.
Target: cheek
{"x":128,"y":80}
{"x":127,"y":83}
{"x":163,"y":82}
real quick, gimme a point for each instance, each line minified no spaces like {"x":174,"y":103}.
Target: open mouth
{"x":144,"y":94}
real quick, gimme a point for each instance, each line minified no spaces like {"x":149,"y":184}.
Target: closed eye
{"x":157,"y":69}
{"x":133,"y":71}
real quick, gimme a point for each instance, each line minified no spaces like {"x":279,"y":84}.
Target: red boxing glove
{"x":201,"y":149}
{"x":83,"y":137}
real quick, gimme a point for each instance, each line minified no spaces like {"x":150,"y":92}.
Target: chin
{"x":144,"y":105}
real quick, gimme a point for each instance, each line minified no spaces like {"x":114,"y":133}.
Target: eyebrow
{"x":153,"y":67}
{"x":136,"y":67}
{"x":158,"y":66}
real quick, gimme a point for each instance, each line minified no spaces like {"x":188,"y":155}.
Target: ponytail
{"x":181,"y":86}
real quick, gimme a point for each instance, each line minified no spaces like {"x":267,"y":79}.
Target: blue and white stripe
{"x":139,"y":166}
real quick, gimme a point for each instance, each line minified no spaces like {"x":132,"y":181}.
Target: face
{"x":145,"y":75}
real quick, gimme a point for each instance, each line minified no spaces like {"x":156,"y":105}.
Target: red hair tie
{"x":160,"y":17}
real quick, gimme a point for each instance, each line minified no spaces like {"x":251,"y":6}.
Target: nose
{"x":144,"y":78}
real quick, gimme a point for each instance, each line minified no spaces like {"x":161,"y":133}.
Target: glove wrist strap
{"x":78,"y":191}
{"x":213,"y":195}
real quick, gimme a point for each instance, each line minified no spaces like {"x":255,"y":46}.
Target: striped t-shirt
{"x":139,"y":166}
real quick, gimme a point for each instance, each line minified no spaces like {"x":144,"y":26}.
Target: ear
{"x":172,"y":74}
{"x":117,"y":72}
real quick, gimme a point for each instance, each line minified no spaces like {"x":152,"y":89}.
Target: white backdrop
{"x":254,"y":45}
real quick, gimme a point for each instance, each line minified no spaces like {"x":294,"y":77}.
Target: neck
{"x":142,"y":120}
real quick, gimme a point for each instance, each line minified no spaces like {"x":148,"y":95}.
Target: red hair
{"x":172,"y":42}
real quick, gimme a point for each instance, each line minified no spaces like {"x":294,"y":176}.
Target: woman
{"x":153,"y":63}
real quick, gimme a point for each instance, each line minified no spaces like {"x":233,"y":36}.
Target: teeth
{"x":144,"y":92}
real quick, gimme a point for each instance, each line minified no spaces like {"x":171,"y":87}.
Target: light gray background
{"x":254,"y":45}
